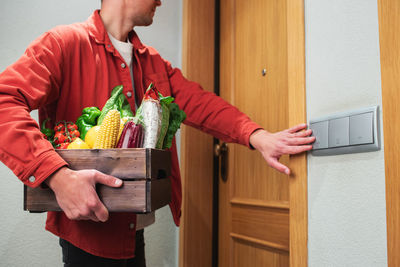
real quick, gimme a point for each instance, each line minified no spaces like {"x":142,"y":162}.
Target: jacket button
{"x":129,"y":94}
{"x":131,"y":226}
{"x":32,"y":179}
{"x":123,"y":65}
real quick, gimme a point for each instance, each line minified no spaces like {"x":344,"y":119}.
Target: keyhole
{"x":264,"y":72}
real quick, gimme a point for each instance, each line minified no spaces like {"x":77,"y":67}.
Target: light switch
{"x":347,"y":132}
{"x":361,"y":129}
{"x":320,"y":131}
{"x":338,"y":132}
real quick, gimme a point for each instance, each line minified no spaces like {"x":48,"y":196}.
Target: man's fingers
{"x":84,"y":214}
{"x":291,"y":150}
{"x":100,"y":211}
{"x":92,"y":217}
{"x":93,"y":203}
{"x":301,"y":141}
{"x":274,"y":163}
{"x":303,"y":133}
{"x":297,"y":128}
{"x":107,"y":180}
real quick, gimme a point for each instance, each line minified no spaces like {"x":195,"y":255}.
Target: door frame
{"x":389,"y":40}
{"x":198,"y":65}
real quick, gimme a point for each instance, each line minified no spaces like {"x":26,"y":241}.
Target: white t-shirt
{"x":125,"y":49}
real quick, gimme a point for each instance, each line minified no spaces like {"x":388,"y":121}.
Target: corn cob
{"x":109,"y":128}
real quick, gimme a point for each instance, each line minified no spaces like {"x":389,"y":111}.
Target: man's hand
{"x":76,"y":193}
{"x":273,"y":145}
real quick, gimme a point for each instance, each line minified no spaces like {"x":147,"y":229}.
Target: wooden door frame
{"x":198,"y":65}
{"x":389,"y":39}
{"x":195,"y":235}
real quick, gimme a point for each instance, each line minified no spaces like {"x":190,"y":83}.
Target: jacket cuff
{"x":47,"y":164}
{"x":248,"y":130}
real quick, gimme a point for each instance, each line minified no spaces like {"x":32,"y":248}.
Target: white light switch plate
{"x":348,"y":132}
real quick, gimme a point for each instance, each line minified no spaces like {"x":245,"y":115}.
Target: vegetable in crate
{"x":48,"y":133}
{"x":63,"y":145}
{"x":121,"y":125}
{"x":72,"y":131}
{"x":159,"y":129}
{"x":65,"y":133}
{"x":87,"y":120}
{"x":176,"y":117}
{"x":165,"y":104}
{"x":132,"y":136}
{"x":91,"y":136}
{"x":108,"y":133}
{"x":117,"y":101}
{"x":78,"y":144}
{"x":153,"y":114}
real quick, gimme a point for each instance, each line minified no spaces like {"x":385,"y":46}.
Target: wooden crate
{"x":145,"y":173}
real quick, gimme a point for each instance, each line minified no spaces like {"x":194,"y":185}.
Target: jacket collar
{"x":98,"y":32}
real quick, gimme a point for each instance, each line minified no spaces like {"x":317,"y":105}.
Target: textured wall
{"x":23,"y":240}
{"x":347,"y":212}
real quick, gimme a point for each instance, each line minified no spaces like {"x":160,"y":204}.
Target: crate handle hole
{"x":161,"y":174}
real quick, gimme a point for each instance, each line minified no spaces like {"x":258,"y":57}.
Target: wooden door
{"x":262,"y":213}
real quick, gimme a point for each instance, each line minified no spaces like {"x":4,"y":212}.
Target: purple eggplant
{"x":131,"y":136}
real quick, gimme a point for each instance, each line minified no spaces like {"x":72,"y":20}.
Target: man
{"x":76,"y":66}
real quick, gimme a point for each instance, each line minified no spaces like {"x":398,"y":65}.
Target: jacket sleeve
{"x":31,"y":82}
{"x":209,"y":112}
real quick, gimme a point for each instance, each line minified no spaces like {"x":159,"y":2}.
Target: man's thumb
{"x":108,"y":180}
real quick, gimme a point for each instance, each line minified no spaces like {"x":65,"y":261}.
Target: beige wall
{"x":347,"y":212}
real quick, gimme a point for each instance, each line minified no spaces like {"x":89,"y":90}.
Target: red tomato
{"x":60,"y":138}
{"x":59,"y":127}
{"x":74,"y":133}
{"x":64,"y":145}
{"x":71,"y":126}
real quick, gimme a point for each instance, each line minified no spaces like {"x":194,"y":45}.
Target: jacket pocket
{"x":160,"y":80}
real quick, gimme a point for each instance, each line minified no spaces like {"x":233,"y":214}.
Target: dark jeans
{"x":75,"y":257}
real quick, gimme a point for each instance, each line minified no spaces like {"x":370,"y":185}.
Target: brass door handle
{"x":221,"y":151}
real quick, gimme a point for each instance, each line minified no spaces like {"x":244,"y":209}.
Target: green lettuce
{"x":116,"y":101}
{"x":176,"y":117}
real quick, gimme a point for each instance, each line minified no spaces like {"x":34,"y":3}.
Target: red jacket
{"x":72,"y":67}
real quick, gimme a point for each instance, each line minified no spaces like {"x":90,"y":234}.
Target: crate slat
{"x":124,"y":163}
{"x":140,"y":196}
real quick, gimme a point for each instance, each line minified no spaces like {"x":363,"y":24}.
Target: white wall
{"x":23,"y":240}
{"x":347,"y":212}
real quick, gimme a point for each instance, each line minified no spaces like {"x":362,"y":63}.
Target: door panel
{"x":260,"y":43}
{"x":263,"y":225}
{"x":259,"y":256}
